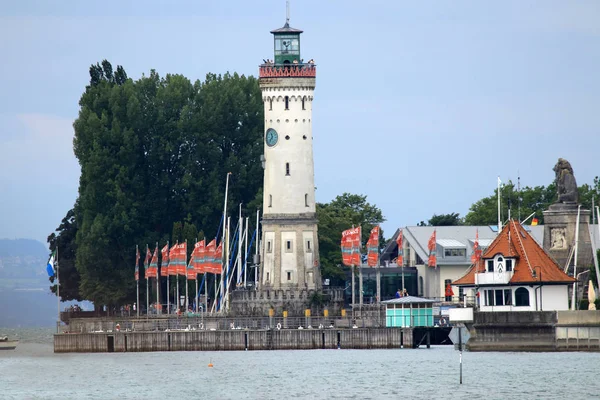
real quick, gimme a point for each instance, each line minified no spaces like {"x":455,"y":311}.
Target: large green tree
{"x":524,"y":202}
{"x":342,"y":213}
{"x":154,"y":152}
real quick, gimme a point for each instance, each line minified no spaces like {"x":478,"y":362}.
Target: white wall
{"x":555,"y":297}
{"x":268,"y":258}
{"x":288,"y":258}
{"x":288,"y":192}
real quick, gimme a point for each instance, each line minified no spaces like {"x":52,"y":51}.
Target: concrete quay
{"x":237,"y":339}
{"x":535,"y":331}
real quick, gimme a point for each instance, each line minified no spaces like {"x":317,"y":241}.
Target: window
{"x":420,"y":286}
{"x":509,"y":265}
{"x":289,"y":276}
{"x":270,"y":104}
{"x":522,"y":297}
{"x":490,"y":266}
{"x":270,"y":201}
{"x":269,"y":246}
{"x":287,"y":103}
{"x":303,"y":104}
{"x":267,"y":277}
{"x":455,"y":252}
{"x":306,"y":200}
{"x":288,"y":246}
{"x":287,"y":169}
{"x":498,"y":297}
{"x":461,"y":293}
{"x":308,"y":248}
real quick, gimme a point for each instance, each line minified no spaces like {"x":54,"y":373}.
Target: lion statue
{"x":566,"y":186}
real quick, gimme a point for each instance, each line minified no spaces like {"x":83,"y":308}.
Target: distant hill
{"x":22,"y":248}
{"x":23,"y":264}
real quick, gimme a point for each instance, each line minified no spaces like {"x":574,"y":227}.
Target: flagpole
{"x":196,"y":274}
{"x":186,"y":281}
{"x":158,"y":306}
{"x":360,"y":276}
{"x":257,"y":264}
{"x":57,"y":291}
{"x":137,"y":281}
{"x":499,"y":217}
{"x":176,"y":277}
{"x":168,"y":282}
{"x":147,"y":281}
{"x":378,"y":272}
{"x":223,"y":237}
{"x":246,"y":255}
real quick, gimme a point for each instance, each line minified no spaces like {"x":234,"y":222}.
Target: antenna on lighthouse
{"x":287,"y":12}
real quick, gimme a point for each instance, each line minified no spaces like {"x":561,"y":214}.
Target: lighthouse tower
{"x":289,"y":227}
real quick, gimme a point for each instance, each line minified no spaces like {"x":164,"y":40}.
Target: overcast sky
{"x":419,"y":105}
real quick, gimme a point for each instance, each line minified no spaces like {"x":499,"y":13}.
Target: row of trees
{"x":521,"y":203}
{"x":153,"y":152}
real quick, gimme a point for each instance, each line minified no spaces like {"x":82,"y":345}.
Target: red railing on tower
{"x":294,"y":70}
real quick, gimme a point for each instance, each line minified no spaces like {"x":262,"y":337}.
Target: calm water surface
{"x":33,"y":371}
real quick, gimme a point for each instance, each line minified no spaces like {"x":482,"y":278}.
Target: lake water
{"x":33,"y":371}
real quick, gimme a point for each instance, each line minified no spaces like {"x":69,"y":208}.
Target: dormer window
{"x":509,"y":264}
{"x":490,"y":265}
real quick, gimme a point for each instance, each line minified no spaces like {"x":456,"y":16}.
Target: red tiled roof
{"x":529,"y":257}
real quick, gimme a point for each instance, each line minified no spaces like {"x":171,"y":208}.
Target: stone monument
{"x":560,"y":222}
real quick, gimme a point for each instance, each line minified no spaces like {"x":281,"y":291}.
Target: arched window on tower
{"x":303,"y":103}
{"x":287,"y":103}
{"x":271,"y":104}
{"x":287,"y":169}
{"x":270,"y":201}
{"x":306,"y":200}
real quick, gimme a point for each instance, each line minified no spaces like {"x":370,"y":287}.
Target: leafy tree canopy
{"x":445,"y":220}
{"x":154,"y":154}
{"x":522,"y":204}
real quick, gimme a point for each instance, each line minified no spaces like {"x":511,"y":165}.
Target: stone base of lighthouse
{"x":290,"y":277}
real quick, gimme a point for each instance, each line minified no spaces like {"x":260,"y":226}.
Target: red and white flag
{"x":400,"y":259}
{"x":373,"y":247}
{"x":432,"y":246}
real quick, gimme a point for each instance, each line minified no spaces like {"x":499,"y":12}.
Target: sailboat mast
{"x":246,"y":254}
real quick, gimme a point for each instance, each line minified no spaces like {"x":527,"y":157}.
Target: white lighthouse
{"x":289,"y":226}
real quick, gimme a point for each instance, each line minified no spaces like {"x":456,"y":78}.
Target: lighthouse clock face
{"x":271,"y":137}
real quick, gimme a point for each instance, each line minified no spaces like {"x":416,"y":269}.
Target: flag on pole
{"x":50,"y":267}
{"x":218,"y":260}
{"x":209,"y":258}
{"x":373,"y":247}
{"x":182,"y":259}
{"x":137,"y":264}
{"x":147,"y":262}
{"x":400,"y":259}
{"x":351,"y":246}
{"x":432,"y":246}
{"x":198,"y":257}
{"x":173,"y":260}
{"x":164,"y":263}
{"x":153,"y":267}
{"x":534,"y":222}
{"x":476,"y":250}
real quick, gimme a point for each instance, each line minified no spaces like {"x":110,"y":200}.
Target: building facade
{"x":516,"y":274}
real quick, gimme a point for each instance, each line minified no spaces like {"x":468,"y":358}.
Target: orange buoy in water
{"x":210,"y":364}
